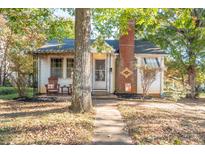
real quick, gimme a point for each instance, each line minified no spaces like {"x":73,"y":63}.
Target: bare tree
{"x":148,"y":76}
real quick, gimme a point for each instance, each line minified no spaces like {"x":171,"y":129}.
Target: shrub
{"x":7,"y":90}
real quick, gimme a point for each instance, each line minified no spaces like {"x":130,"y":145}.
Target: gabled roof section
{"x":146,"y":47}
{"x":54,"y":46}
{"x":68,"y":45}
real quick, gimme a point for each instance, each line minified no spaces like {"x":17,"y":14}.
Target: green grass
{"x":9,"y":93}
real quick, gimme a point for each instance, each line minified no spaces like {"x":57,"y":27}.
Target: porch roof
{"x":68,"y":45}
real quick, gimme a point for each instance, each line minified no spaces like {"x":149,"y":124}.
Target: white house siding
{"x":44,"y":70}
{"x":44,"y":73}
{"x":162,"y":75}
{"x":110,"y":76}
{"x":113,"y":58}
{"x":111,"y":73}
{"x":157,"y":85}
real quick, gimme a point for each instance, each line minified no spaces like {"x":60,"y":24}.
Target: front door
{"x":99,"y":74}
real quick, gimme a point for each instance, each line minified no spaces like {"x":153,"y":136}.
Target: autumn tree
{"x":25,"y":31}
{"x":3,"y":55}
{"x":181,"y":32}
{"x":20,"y":65}
{"x":81,"y":97}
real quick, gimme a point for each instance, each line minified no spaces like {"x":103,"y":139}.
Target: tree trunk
{"x":1,"y":74}
{"x":4,"y":62}
{"x":192,"y":81}
{"x":81,"y":97}
{"x":4,"y":73}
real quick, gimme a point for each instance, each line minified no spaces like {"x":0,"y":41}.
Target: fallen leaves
{"x":159,"y":123}
{"x":43,"y":123}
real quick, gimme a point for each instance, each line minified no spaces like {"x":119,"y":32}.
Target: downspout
{"x":35,"y":75}
{"x":92,"y":73}
{"x":39,"y":76}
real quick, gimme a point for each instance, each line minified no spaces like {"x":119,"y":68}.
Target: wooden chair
{"x":52,"y":86}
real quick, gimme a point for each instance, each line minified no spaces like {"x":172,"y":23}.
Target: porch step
{"x":100,"y":93}
{"x":103,"y":95}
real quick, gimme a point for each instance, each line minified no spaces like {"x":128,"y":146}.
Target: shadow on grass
{"x":9,"y":132}
{"x":34,"y":113}
{"x":177,"y":126}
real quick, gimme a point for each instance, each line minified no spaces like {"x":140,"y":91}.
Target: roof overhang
{"x":39,"y":52}
{"x":151,"y":54}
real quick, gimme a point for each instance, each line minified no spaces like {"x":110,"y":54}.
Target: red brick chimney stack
{"x":126,"y":77}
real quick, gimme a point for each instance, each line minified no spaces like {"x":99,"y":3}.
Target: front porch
{"x":60,"y":65}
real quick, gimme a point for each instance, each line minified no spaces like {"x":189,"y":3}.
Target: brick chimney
{"x":126,"y":81}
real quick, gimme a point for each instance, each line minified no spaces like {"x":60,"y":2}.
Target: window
{"x":152,"y":62}
{"x":57,"y":67}
{"x":69,"y":68}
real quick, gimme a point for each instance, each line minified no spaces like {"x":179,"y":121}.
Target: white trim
{"x":39,"y":73}
{"x":162,"y":76}
{"x":97,"y":83}
{"x":150,"y":55}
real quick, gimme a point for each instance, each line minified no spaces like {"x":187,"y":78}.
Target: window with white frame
{"x":69,"y":67}
{"x":151,"y":62}
{"x":57,"y":67}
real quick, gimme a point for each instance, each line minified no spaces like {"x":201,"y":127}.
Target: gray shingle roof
{"x":146,"y":47}
{"x":68,"y":45}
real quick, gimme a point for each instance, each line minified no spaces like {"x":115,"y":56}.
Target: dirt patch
{"x":165,"y":123}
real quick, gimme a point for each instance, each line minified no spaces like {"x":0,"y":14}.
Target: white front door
{"x":99,"y":74}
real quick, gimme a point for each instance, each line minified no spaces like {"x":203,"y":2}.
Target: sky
{"x":61,"y":13}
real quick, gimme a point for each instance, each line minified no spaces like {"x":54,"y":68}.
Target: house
{"x":112,"y":71}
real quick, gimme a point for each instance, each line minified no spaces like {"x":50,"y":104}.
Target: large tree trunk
{"x":192,"y":81}
{"x":81,"y":97}
{"x":1,"y":74}
{"x":4,"y":62}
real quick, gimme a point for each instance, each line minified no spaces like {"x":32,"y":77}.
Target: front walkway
{"x":109,"y":127}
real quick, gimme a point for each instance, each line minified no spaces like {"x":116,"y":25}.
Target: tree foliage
{"x":180,"y":32}
{"x":21,"y":69}
{"x":100,"y":45}
{"x":24,"y":31}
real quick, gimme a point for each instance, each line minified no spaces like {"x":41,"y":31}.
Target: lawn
{"x":9,"y":93}
{"x":163,"y":122}
{"x":43,"y":123}
{"x":202,"y":95}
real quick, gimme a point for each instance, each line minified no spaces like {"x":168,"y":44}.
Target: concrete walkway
{"x":109,"y":127}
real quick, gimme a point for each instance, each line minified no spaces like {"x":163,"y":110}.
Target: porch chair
{"x":52,"y":86}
